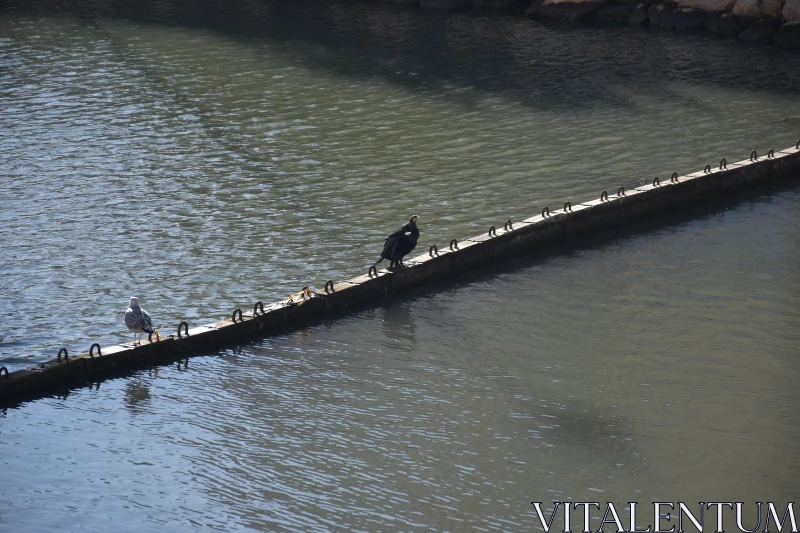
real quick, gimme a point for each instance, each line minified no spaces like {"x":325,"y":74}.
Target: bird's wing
{"x":146,"y":321}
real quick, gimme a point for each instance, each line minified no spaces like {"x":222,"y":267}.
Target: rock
{"x":657,"y":13}
{"x":751,"y":10}
{"x":723,"y":24}
{"x":759,"y":32}
{"x":492,"y":4}
{"x":683,"y":19}
{"x":710,"y":6}
{"x":570,"y":9}
{"x":789,"y":34}
{"x":791,"y":10}
{"x":445,"y":5}
{"x":619,"y":13}
{"x":533,"y":9}
{"x":639,"y":15}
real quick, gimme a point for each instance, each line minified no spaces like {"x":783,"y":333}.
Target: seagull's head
{"x":134,"y":302}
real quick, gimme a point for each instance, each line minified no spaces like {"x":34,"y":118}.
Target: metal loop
{"x":568,"y":206}
{"x":3,"y":369}
{"x":753,"y":156}
{"x":604,"y":196}
{"x":797,"y":145}
{"x":329,"y":286}
{"x":233,"y":317}
{"x":545,"y":212}
{"x":185,"y":329}
{"x":91,"y":350}
{"x":771,"y":153}
{"x":621,"y":191}
{"x":433,"y":250}
{"x":492,"y":231}
{"x":674,"y":178}
{"x":707,"y":169}
{"x":656,"y":182}
{"x":371,"y":270}
{"x":453,"y":245}
{"x":507,"y":225}
{"x":723,"y":164}
{"x":66,"y":354}
{"x":258,"y":308}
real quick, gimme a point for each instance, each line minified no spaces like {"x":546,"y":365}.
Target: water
{"x":204,"y":159}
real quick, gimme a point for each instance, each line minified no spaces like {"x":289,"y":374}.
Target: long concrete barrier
{"x":548,"y":227}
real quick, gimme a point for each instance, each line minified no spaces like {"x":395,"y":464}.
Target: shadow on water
{"x":463,"y":53}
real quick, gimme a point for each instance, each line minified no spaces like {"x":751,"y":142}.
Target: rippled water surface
{"x":202,"y":159}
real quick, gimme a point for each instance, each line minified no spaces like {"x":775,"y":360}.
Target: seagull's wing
{"x":146,"y":321}
{"x":130,"y":319}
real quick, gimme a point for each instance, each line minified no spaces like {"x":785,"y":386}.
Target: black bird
{"x":399,"y":244}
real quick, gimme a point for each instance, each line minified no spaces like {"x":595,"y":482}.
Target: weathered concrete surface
{"x":514,"y":237}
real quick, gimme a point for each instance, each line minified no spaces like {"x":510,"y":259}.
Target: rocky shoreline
{"x":760,"y":22}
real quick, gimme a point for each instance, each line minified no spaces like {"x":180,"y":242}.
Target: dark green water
{"x":202,"y":159}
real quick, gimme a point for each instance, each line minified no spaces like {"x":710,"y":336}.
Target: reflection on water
{"x":203,"y":158}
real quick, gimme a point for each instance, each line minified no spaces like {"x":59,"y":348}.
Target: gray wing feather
{"x":137,"y":320}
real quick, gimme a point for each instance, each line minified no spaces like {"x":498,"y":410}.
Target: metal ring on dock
{"x":233,"y":317}
{"x":545,"y":212}
{"x":66,"y":355}
{"x":656,"y":182}
{"x":771,"y":153}
{"x":434,"y":250}
{"x":329,"y":286}
{"x":604,"y":196}
{"x":492,"y":231}
{"x":3,"y":369}
{"x":621,"y":191}
{"x":797,"y":145}
{"x":258,"y":308}
{"x":707,"y":169}
{"x":371,"y":270}
{"x":508,"y":226}
{"x":723,"y":164}
{"x":91,"y":350}
{"x":568,"y":206}
{"x":753,"y":156}
{"x":185,"y":329}
{"x":453,"y":245}
{"x":674,"y":178}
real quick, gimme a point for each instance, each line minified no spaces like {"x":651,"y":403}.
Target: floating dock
{"x":548,"y":228}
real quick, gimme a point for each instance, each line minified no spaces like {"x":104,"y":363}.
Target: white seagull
{"x":137,"y":320}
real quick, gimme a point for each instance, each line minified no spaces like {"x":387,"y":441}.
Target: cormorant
{"x":399,"y":244}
